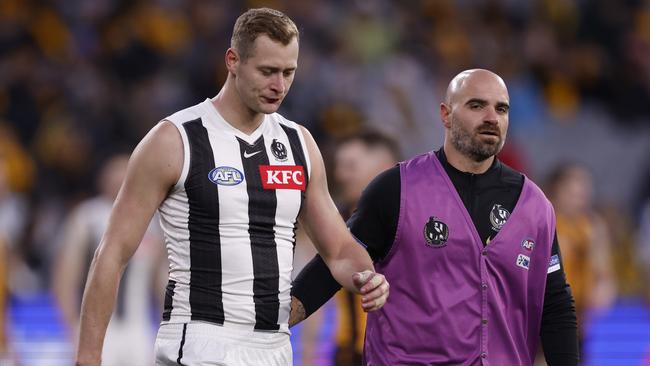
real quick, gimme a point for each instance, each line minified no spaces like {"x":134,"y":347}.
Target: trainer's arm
{"x":348,"y":261}
{"x":374,"y":223}
{"x":559,"y":327}
{"x":153,"y":169}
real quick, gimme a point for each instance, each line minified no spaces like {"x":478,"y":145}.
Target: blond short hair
{"x":262,"y":21}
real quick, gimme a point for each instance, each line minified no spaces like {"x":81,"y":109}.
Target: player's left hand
{"x":374,"y":289}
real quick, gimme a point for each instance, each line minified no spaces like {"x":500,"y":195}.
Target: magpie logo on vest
{"x":279,"y":150}
{"x":226,"y":176}
{"x":523,"y":261}
{"x":283,"y":177}
{"x":528,"y":244}
{"x":436,"y":232}
{"x":498,"y":217}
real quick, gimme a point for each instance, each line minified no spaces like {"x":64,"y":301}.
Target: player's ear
{"x":232,"y":59}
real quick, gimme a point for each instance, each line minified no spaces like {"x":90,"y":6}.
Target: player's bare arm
{"x":153,"y":169}
{"x":348,"y":261}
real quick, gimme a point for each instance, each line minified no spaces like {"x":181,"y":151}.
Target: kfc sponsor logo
{"x":282,"y":177}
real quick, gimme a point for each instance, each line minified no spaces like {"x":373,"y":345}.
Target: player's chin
{"x":268,"y":110}
{"x":270,"y":106}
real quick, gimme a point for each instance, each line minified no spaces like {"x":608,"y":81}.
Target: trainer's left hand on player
{"x":374,"y":289}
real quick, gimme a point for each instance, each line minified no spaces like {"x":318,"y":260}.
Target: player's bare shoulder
{"x":317,"y":165}
{"x":160,"y":153}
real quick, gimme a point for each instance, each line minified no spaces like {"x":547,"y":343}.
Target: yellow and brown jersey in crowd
{"x":350,"y":328}
{"x":3,"y":295}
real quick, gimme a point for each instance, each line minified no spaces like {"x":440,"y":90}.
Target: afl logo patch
{"x":279,"y":150}
{"x":528,"y":244}
{"x":225,"y":176}
{"x":498,"y":217}
{"x":436,"y":232}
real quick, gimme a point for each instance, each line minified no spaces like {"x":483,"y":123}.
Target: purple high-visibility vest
{"x":454,"y":301}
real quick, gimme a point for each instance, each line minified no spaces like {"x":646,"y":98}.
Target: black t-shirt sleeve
{"x":314,"y":285}
{"x":374,"y":223}
{"x":559,"y":330}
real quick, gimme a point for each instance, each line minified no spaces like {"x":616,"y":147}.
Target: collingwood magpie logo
{"x":279,"y":150}
{"x":436,"y":232}
{"x":498,"y":217}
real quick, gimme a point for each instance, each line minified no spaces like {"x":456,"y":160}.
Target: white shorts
{"x":128,"y":344}
{"x":205,"y":344}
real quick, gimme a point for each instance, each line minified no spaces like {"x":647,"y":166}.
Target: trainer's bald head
{"x":472,"y":81}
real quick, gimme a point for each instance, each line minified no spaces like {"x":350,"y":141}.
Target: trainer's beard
{"x":471,"y":145}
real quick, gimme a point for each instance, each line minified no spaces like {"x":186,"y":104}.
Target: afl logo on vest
{"x":279,"y":150}
{"x":436,"y":233}
{"x":528,"y":244}
{"x":498,"y":217}
{"x":225,"y":176}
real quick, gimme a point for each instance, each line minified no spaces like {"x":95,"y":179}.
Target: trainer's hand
{"x":373,"y":288}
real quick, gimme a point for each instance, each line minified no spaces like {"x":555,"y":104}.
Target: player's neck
{"x":235,"y":112}
{"x":464,"y":163}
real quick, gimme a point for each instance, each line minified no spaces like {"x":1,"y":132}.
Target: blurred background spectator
{"x":4,"y":347}
{"x":130,"y":336}
{"x":643,"y":240}
{"x":83,"y":80}
{"x":358,"y":159}
{"x":585,"y":240}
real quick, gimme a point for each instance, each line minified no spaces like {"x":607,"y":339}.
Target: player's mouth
{"x":271,"y":100}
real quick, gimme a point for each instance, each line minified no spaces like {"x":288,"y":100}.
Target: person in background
{"x":358,"y":159}
{"x":4,"y":299}
{"x":13,"y":214}
{"x":643,"y":248}
{"x":584,"y":238}
{"x":130,"y":334}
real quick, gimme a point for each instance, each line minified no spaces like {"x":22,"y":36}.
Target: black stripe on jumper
{"x":169,"y":300}
{"x":262,"y":205}
{"x":298,"y":159}
{"x":296,"y":150}
{"x":206,"y":298}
